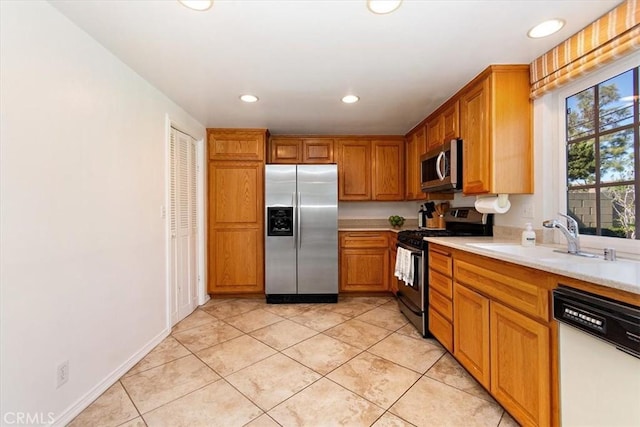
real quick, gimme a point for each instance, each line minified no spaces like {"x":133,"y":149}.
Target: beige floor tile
{"x":388,"y":319}
{"x":319,"y":319}
{"x":197,"y":318}
{"x":325,"y":403}
{"x":112,"y":408}
{"x":410,"y":331}
{"x":253,"y":320}
{"x":390,"y":420}
{"x":136,"y":422}
{"x":288,"y":310}
{"x":367,"y":300}
{"x":432,"y":403}
{"x":272,"y":380}
{"x":352,"y":308}
{"x":233,"y":355}
{"x":412,"y":353}
{"x":233,"y":307}
{"x":508,"y":421}
{"x":157,"y":386}
{"x":358,"y":334}
{"x":169,"y":349}
{"x":374,"y":378}
{"x":322,"y":353}
{"x":263,"y":421}
{"x":283,"y":334}
{"x":393,"y":306}
{"x":217,"y":404}
{"x":214,"y":301}
{"x":448,"y":371}
{"x":203,"y":336}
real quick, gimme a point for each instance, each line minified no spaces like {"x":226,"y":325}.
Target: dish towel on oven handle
{"x":404,"y":266}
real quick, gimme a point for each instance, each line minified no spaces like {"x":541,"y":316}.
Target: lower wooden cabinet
{"x":364,"y":261}
{"x":236,"y":261}
{"x":520,"y":365}
{"x":393,"y":251}
{"x":471,"y":332}
{"x":441,"y":328}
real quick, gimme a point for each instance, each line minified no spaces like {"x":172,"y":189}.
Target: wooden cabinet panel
{"x":476,"y":159}
{"x":520,"y":365}
{"x":440,"y":260}
{"x":388,"y":170}
{"x":519,"y":287}
{"x":317,"y":151}
{"x":441,"y":304}
{"x":236,"y":261}
{"x":285,"y":150}
{"x":235,"y":194}
{"x":364,"y":270}
{"x":471,"y":332}
{"x":354,"y":170}
{"x":451,"y":121}
{"x":441,"y":329}
{"x":416,"y":146}
{"x":441,"y":283}
{"x":363,"y":239}
{"x":236,"y":144}
{"x":435,"y":133}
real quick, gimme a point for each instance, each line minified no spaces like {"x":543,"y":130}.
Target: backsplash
{"x":543,"y":235}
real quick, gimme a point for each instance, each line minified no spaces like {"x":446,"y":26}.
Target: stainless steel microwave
{"x":441,"y":169}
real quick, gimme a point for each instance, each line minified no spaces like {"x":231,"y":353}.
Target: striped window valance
{"x":613,"y":35}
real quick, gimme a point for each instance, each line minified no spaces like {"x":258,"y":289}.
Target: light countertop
{"x":623,"y":274}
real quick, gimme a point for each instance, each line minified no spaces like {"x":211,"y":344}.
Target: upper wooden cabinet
{"x":354,"y":169}
{"x":416,"y":147}
{"x":435,"y":132}
{"x":495,"y":119}
{"x":388,"y":169}
{"x":292,"y":150}
{"x":371,"y":169}
{"x":237,"y":144}
{"x":451,"y":121}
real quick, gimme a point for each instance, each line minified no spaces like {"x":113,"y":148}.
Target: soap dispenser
{"x":528,"y":235}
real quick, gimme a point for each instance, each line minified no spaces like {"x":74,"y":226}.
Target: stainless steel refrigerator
{"x":301,"y":242}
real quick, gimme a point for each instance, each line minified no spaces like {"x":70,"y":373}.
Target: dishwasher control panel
{"x":612,"y":321}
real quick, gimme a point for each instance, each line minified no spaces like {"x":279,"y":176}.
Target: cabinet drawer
{"x":443,"y":305}
{"x":519,"y":287}
{"x":441,"y":329}
{"x":364,"y":240}
{"x":440,"y":283}
{"x":440,"y":261}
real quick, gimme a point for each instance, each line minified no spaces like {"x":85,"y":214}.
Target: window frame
{"x":559,"y":103}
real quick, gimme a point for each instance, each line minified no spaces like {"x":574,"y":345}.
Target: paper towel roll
{"x":494,"y":204}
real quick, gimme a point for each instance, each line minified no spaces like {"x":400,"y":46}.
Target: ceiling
{"x":301,"y":56}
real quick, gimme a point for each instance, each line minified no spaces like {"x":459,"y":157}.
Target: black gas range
{"x":413,"y":295}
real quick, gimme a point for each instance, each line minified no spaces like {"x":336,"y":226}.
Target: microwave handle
{"x":440,"y":165}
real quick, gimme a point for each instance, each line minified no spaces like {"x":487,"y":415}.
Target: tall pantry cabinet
{"x":236,"y":210}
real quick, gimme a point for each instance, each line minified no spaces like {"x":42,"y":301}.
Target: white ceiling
{"x":301,"y":56}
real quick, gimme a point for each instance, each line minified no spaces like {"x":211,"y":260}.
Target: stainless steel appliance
{"x":413,"y":300}
{"x":441,"y":169}
{"x":599,"y":352}
{"x":301,"y":242}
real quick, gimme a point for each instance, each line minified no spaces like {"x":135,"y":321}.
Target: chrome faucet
{"x":570,"y":232}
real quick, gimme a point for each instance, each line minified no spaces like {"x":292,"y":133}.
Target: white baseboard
{"x":81,"y":404}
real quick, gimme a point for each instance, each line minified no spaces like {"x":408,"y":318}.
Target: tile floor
{"x":241,"y":362}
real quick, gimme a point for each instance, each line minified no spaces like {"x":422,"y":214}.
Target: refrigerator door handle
{"x":299,"y":203}
{"x":294,"y":203}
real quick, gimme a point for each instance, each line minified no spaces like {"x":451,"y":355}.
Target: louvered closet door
{"x":183,"y":212}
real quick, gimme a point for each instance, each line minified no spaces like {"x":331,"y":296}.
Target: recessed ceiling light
{"x":249,"y":98}
{"x":383,"y":6}
{"x":546,"y":28}
{"x":350,"y":99}
{"x":200,"y":5}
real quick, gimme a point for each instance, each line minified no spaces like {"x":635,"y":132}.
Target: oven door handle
{"x":413,"y":251}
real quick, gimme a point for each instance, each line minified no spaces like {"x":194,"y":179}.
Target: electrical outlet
{"x":62,"y":373}
{"x":527,"y":210}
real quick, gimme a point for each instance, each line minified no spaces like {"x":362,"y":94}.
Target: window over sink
{"x":602,"y":136}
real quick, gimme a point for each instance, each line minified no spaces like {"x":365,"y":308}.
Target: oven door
{"x":410,"y":297}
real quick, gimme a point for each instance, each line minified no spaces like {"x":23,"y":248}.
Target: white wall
{"x":377,"y":210}
{"x":82,"y":182}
